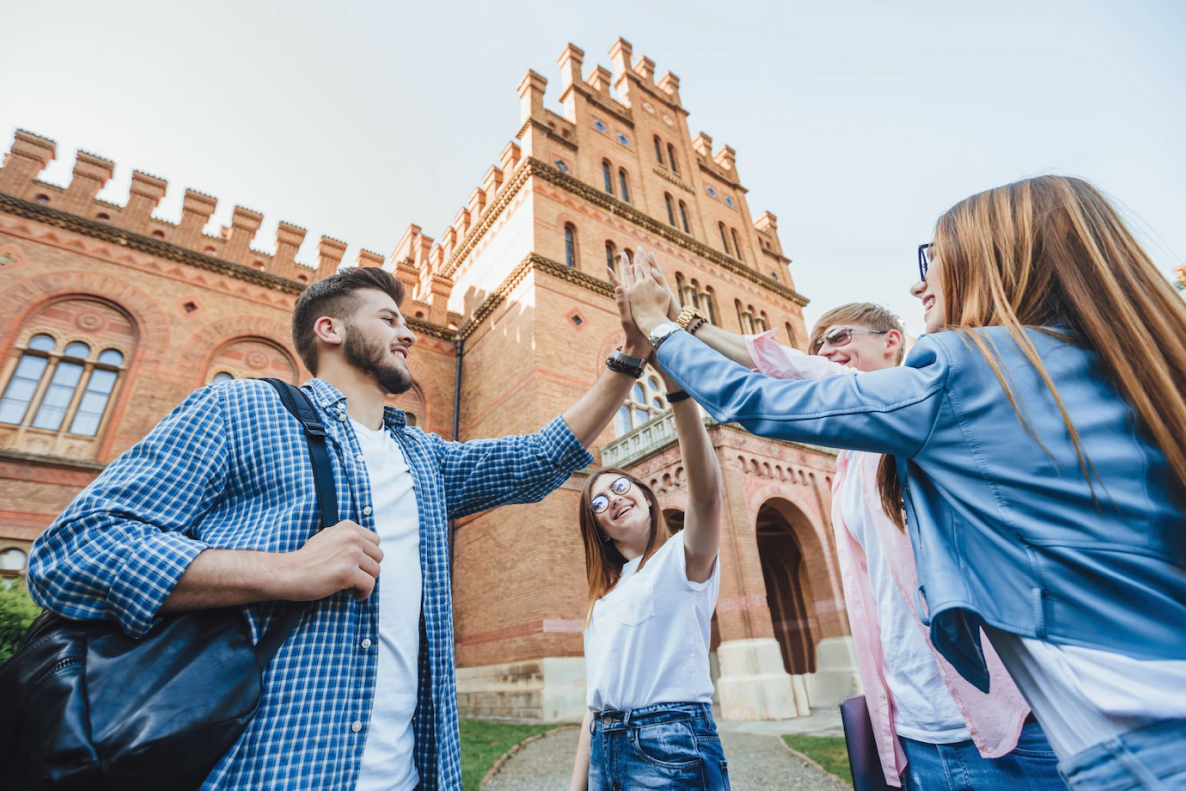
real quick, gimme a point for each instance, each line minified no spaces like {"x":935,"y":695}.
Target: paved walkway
{"x":757,"y":761}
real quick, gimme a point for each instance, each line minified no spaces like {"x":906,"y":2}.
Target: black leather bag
{"x":84,"y":706}
{"x":863,"y":758}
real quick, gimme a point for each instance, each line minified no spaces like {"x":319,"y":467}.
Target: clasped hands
{"x":644,"y":299}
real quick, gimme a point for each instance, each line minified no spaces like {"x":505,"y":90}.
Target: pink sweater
{"x":994,"y":720}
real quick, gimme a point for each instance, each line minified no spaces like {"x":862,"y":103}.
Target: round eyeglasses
{"x":600,"y":503}
{"x":840,"y":336}
{"x":924,"y":260}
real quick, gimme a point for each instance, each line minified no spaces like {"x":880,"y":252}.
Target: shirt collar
{"x":331,"y":399}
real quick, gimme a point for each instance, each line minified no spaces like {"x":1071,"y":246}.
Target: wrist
{"x":277,"y":580}
{"x":641,"y":351}
{"x":646,"y":323}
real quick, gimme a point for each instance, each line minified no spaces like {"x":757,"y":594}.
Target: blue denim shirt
{"x":1006,"y":529}
{"x":228,"y":468}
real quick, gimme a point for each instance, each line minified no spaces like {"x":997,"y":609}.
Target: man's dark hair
{"x":335,"y":296}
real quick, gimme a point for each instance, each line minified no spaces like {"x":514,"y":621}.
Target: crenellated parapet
{"x":30,"y":154}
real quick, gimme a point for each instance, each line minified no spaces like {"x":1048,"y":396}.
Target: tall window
{"x":724,"y":237}
{"x":708,"y":304}
{"x":737,"y":246}
{"x":629,"y":255}
{"x":670,"y":208}
{"x":683,"y":215}
{"x":69,"y":390}
{"x":761,"y":324}
{"x":679,"y":289}
{"x":646,"y":402}
{"x":611,"y":257}
{"x":745,"y":318}
{"x":570,"y":245}
{"x":622,"y":184}
{"x":658,"y":150}
{"x":790,"y":334}
{"x":671,"y":158}
{"x":607,"y":173}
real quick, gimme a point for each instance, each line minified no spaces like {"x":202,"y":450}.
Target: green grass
{"x":829,"y":752}
{"x":483,"y":743}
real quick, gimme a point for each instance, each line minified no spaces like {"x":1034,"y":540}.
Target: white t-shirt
{"x":1084,"y":696}
{"x":387,"y":760}
{"x":649,"y":637}
{"x":923,"y":707}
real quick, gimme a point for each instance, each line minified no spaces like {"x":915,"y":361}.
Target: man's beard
{"x":372,"y":359}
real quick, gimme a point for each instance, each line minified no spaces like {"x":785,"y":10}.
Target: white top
{"x":923,"y":708}
{"x":1083,"y":696}
{"x":649,"y":637}
{"x":387,"y":760}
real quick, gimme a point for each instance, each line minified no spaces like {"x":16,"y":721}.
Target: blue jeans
{"x":960,"y":767}
{"x":1152,"y":758}
{"x":665,"y":746}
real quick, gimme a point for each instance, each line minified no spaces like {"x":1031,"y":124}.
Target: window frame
{"x":607,"y":175}
{"x":570,"y":246}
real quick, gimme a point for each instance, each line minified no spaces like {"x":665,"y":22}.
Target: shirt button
{"x":366,"y":642}
{"x":341,"y":418}
{"x":360,"y":457}
{"x":357,"y":726}
{"x":366,"y":511}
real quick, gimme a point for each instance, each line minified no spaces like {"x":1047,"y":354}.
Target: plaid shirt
{"x":228,"y":468}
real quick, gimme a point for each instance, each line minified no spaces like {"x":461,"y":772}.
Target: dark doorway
{"x":788,"y":591}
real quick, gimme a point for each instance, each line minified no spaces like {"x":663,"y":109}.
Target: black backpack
{"x":84,"y":706}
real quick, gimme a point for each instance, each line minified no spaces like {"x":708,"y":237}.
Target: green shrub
{"x":17,"y":611}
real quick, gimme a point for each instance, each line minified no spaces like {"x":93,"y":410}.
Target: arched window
{"x":222,"y":377}
{"x":607,"y":174}
{"x":708,"y":304}
{"x":690,"y":294}
{"x":724,"y":237}
{"x":671,"y":158}
{"x":611,"y":258}
{"x":570,"y":245}
{"x":647,"y":401}
{"x":790,"y":334}
{"x":658,"y":150}
{"x":745,"y":318}
{"x":629,"y":255}
{"x":250,"y":358}
{"x":737,"y":246}
{"x":761,"y":324}
{"x":670,"y":208}
{"x":680,"y":289}
{"x":683,"y":215}
{"x":622,"y":184}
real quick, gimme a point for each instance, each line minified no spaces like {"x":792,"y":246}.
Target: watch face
{"x":664,"y":329}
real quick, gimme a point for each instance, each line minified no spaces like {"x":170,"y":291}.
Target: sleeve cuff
{"x":563,"y":447}
{"x":148,"y":578}
{"x":755,"y":345}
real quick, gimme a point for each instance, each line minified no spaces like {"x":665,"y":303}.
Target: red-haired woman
{"x":651,"y":598}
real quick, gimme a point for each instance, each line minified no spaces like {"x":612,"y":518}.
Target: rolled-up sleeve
{"x":784,"y":362}
{"x":121,"y":546}
{"x":487,"y":473}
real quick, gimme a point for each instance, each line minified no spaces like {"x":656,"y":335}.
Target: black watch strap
{"x":677,"y":396}
{"x":625,"y":364}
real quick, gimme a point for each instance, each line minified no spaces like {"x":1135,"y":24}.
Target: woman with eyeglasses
{"x":1036,"y":441}
{"x":651,"y":597}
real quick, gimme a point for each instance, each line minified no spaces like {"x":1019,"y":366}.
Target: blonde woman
{"x":651,"y":597}
{"x":1036,"y":439}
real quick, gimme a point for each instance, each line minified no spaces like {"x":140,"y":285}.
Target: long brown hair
{"x":603,"y":561}
{"x":1049,"y":251}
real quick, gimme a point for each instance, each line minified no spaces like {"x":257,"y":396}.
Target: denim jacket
{"x":1005,"y":527}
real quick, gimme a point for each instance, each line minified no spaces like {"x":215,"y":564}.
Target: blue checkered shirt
{"x":228,"y":469}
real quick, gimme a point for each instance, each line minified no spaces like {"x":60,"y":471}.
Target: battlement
{"x":30,"y":154}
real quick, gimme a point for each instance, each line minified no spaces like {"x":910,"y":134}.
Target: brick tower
{"x":109,"y":316}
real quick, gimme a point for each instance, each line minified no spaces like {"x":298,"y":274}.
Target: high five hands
{"x":643,"y":296}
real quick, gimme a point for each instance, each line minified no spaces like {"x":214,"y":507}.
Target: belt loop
{"x":626,"y":718}
{"x":707,"y":709}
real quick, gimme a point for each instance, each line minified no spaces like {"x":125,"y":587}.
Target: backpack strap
{"x":299,"y":405}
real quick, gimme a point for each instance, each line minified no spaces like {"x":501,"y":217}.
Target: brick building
{"x":109,"y":316}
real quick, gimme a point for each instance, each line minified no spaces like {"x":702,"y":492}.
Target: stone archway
{"x":788,"y":587}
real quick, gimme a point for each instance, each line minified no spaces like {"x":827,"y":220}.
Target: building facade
{"x":110,"y":316}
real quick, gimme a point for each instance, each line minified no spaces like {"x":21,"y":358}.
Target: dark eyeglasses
{"x":841,"y":336}
{"x":924,"y":260}
{"x":600,"y":503}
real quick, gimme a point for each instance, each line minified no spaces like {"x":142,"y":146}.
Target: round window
{"x":728,"y":201}
{"x":563,"y":168}
{"x":623,"y":140}
{"x":599,"y":125}
{"x":712,"y":193}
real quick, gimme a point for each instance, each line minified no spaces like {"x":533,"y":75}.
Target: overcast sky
{"x":856,"y":123}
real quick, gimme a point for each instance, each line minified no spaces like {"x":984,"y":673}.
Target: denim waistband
{"x":615,"y":719}
{"x":1144,"y":755}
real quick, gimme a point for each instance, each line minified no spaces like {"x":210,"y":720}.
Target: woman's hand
{"x":648,"y":257}
{"x":638,"y":343}
{"x":650,"y":302}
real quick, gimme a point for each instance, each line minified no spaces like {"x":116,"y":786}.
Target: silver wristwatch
{"x":662,"y":332}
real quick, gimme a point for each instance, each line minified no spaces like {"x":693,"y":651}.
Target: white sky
{"x":856,"y":123}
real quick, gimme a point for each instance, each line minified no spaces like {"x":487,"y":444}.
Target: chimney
{"x":670,"y":86}
{"x":90,"y":174}
{"x":570,"y":66}
{"x":244,"y":224}
{"x":645,"y":68}
{"x":329,"y":256}
{"x":29,"y":155}
{"x":621,"y":53}
{"x":726,"y":157}
{"x":703,"y":145}
{"x":289,"y":238}
{"x":143,"y":198}
{"x":195,"y":213}
{"x":531,"y":97}
{"x":369,"y":259}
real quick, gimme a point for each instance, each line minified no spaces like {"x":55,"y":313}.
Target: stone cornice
{"x":422,"y":327}
{"x":674,"y":179}
{"x":531,"y":166}
{"x":30,"y":210}
{"x":51,"y":461}
{"x":721,"y":178}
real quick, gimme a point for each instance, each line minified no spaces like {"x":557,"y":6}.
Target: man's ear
{"x":329,"y":330}
{"x":893,"y":342}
